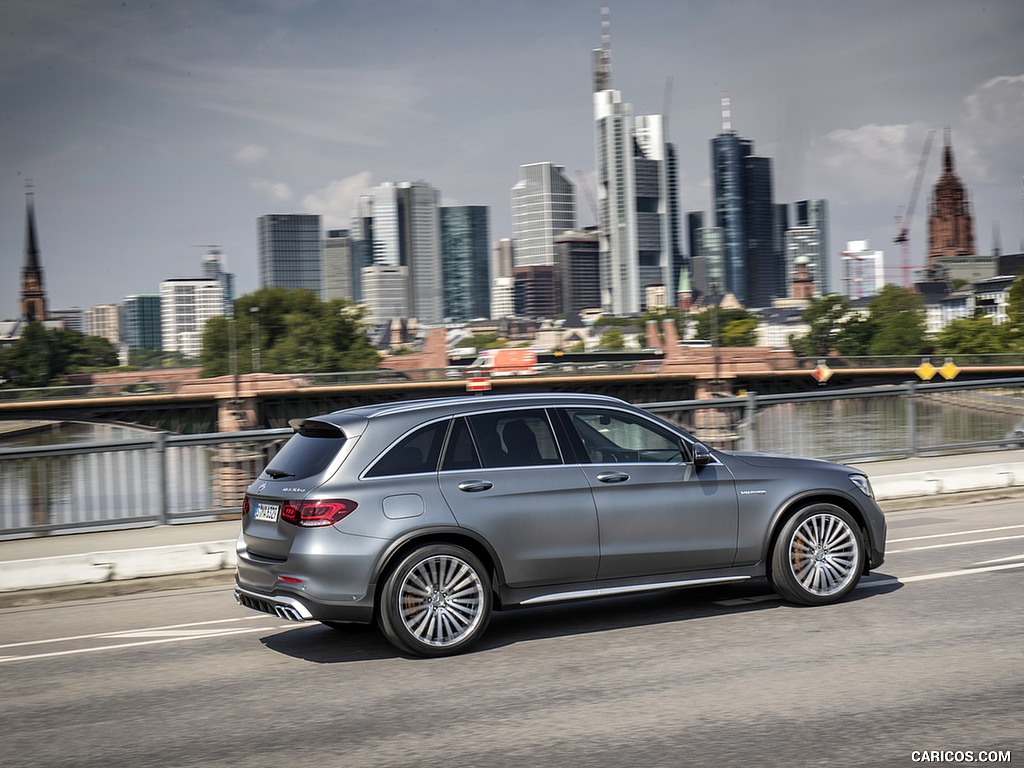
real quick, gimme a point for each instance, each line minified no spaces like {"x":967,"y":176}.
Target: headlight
{"x":862,"y":482}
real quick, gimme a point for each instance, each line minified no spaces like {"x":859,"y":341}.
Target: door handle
{"x":613,"y":477}
{"x":473,"y":486}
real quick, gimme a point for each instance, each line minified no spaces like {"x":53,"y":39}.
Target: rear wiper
{"x":277,"y":474}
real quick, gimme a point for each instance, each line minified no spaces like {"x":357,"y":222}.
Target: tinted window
{"x":461,"y":452}
{"x":307,"y":452}
{"x":418,"y":452}
{"x":613,"y":436}
{"x":515,"y":439}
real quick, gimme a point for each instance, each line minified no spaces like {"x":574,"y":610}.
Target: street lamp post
{"x":254,"y":316}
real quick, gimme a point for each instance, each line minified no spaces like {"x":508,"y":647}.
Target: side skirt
{"x":559,"y":593}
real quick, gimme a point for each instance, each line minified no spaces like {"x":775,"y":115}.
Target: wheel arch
{"x":793,"y":508}
{"x":422,"y":538}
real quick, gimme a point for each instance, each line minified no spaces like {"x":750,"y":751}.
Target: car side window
{"x":417,"y":452}
{"x":515,"y":438}
{"x":615,"y":436}
{"x":460,"y":453}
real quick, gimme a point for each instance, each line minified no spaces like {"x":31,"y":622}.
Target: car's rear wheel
{"x":436,"y":602}
{"x":818,"y":556}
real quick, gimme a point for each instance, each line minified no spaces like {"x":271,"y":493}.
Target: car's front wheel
{"x":436,"y":602}
{"x":818,"y":556}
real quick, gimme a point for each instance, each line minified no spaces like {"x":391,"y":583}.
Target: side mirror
{"x":701,"y":455}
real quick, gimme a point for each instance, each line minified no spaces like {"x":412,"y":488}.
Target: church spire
{"x":33,"y":294}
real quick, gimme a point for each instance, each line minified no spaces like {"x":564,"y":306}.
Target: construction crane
{"x":903,"y":222}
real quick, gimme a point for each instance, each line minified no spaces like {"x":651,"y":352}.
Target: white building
{"x":185,"y":306}
{"x":385,"y":293}
{"x":405,"y":226}
{"x":105,"y":320}
{"x":863,"y":270}
{"x":543,"y":207}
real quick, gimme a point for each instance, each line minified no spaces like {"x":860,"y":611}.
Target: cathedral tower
{"x":33,"y":292}
{"x":950,"y":221}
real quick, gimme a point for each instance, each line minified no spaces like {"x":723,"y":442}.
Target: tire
{"x":818,"y":557}
{"x":436,"y":602}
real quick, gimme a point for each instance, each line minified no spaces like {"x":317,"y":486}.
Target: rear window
{"x":413,"y":454}
{"x":307,"y":452}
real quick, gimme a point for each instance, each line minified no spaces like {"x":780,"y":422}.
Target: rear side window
{"x":415,"y":453}
{"x":307,"y":452}
{"x":515,"y":439}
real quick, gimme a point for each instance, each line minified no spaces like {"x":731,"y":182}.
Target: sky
{"x":150,"y":130}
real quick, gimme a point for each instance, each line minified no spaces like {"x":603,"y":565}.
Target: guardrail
{"x":175,"y":478}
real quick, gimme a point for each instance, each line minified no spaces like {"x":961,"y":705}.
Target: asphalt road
{"x":928,"y":655}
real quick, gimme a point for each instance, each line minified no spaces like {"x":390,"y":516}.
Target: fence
{"x":160,"y":480}
{"x":174,"y":478}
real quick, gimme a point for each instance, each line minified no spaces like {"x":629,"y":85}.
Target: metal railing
{"x":159,"y":480}
{"x":910,"y":419}
{"x":173,"y":478}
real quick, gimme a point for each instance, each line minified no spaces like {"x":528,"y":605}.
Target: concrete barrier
{"x":116,"y":565}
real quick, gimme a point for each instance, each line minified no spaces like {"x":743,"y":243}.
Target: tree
{"x":613,"y":339}
{"x":741,"y":332}
{"x":43,"y":356}
{"x":712,"y":324}
{"x":897,"y":315}
{"x":295,"y":333}
{"x":825,"y":316}
{"x":976,"y":335}
{"x":854,"y":337}
{"x":1015,"y":306}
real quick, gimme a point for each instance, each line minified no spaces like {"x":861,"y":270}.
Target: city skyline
{"x":147,"y":131}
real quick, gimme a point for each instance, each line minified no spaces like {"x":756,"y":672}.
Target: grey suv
{"x":427,"y":515}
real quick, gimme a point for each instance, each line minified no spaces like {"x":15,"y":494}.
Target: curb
{"x":116,"y":565}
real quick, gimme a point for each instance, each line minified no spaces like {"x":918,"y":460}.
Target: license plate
{"x":267,"y":512}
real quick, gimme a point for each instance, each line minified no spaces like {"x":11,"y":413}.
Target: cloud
{"x":251,"y":154}
{"x":994,"y":116}
{"x":868,"y":163}
{"x":336,"y":202}
{"x":275,"y":190}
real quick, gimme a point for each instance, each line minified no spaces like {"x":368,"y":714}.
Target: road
{"x":927,"y":655}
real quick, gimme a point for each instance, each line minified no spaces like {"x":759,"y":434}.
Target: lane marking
{"x":121,"y":632}
{"x":1002,"y":559}
{"x":943,"y":575}
{"x":956,"y":533}
{"x":952,"y":544}
{"x":870,"y":583}
{"x":222,"y":633}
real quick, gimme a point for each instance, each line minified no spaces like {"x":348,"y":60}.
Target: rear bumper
{"x":294,"y":608}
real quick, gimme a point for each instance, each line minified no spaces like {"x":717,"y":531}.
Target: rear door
{"x":504,"y":477}
{"x":657,"y":514}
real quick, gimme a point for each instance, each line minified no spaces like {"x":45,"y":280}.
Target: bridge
{"x":267,"y":401}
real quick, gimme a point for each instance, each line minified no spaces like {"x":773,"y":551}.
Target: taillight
{"x":315,"y":514}
{"x":245,"y":505}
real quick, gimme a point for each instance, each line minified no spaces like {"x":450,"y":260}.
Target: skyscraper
{"x":814,"y":213}
{"x":289,"y":251}
{"x":399,"y":225}
{"x":635,"y":194}
{"x":465,"y":261}
{"x":543,"y":207}
{"x":142,"y":321}
{"x":338,"y":266}
{"x":745,"y":211}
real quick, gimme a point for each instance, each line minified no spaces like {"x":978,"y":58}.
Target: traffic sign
{"x":950,"y":370}
{"x":821,"y":373}
{"x":926,"y":371}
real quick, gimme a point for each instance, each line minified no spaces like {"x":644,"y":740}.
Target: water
{"x":91,"y":488}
